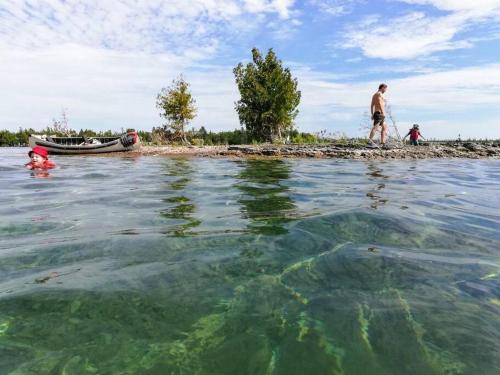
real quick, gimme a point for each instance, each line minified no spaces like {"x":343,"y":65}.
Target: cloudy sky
{"x":105,"y":61}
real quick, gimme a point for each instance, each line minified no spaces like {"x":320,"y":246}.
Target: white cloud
{"x":418,"y":34}
{"x":335,"y":7}
{"x":459,"y":5}
{"x":282,"y":7}
{"x":105,"y":89}
{"x":407,"y":37}
{"x":151,"y":26}
{"x":454,"y":90}
{"x":457,"y":90}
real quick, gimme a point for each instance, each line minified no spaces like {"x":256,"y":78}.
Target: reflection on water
{"x":266,"y":200}
{"x":40,"y":173}
{"x":311,"y":280}
{"x":375,"y":174}
{"x":182,"y":208}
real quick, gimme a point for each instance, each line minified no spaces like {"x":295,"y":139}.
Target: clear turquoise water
{"x":116,"y":265}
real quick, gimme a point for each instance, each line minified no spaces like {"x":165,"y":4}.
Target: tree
{"x":61,"y":126}
{"x":388,"y":111}
{"x":269,"y":97}
{"x":7,"y":138}
{"x":177,"y":107}
{"x":23,"y":135}
{"x":202,"y":133}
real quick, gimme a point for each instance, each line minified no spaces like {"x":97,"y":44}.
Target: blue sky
{"x":104,"y":62}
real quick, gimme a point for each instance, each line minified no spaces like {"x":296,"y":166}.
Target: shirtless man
{"x":377,"y":109}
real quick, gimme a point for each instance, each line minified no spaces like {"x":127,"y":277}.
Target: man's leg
{"x":383,"y":134}
{"x":372,"y":133}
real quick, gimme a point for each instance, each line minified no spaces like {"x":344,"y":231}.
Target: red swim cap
{"x":39,"y":150}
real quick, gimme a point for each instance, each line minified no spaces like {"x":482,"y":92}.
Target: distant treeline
{"x":202,"y":137}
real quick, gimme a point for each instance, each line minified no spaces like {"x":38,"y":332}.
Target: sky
{"x":104,"y":62}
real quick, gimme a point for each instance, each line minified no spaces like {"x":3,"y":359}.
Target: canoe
{"x":85,"y":145}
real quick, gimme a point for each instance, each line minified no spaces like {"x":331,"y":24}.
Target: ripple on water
{"x":37,"y":227}
{"x":210,"y":266}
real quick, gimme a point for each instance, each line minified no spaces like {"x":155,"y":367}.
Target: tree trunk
{"x":185,"y":141}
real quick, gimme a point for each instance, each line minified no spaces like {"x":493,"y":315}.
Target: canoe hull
{"x":65,"y":147}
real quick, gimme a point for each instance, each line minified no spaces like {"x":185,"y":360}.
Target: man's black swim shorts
{"x":378,"y":119}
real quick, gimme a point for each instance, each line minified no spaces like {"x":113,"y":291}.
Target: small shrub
{"x":304,"y":138}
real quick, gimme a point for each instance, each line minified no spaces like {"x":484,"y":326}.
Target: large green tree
{"x":177,"y":107}
{"x":269,"y":96}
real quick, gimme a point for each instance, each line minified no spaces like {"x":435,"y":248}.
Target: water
{"x":121,"y":265}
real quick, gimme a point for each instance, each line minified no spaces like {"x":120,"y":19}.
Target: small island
{"x":341,"y":150}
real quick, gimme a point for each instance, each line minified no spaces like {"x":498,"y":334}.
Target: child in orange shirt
{"x":39,"y":159}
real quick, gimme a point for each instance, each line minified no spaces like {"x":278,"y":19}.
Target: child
{"x":39,"y":159}
{"x":414,"y":134}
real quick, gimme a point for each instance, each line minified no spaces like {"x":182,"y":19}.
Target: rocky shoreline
{"x":467,"y":150}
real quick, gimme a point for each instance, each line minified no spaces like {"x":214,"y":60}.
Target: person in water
{"x":39,"y":159}
{"x":377,"y":109}
{"x":414,"y":134}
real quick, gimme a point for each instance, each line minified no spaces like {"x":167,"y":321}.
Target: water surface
{"x":121,"y":265}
